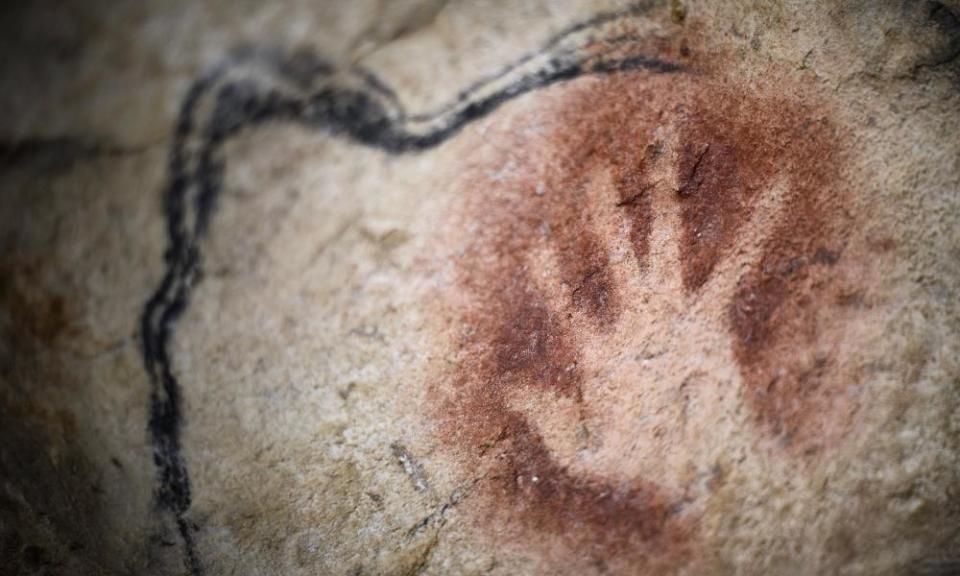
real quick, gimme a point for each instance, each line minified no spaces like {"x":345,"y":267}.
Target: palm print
{"x":637,"y":260}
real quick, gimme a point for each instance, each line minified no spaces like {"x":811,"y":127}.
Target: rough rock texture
{"x":480,"y":287}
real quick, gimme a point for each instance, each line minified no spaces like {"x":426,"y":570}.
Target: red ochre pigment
{"x":715,"y":151}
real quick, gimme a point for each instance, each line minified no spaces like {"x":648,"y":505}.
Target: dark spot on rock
{"x":34,"y":311}
{"x":634,"y":187}
{"x":34,"y":556}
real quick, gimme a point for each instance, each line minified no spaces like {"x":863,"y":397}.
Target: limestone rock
{"x":490,"y":287}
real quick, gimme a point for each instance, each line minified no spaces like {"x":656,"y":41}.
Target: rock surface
{"x":490,"y":287}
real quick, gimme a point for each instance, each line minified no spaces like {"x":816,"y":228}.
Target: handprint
{"x":649,"y":255}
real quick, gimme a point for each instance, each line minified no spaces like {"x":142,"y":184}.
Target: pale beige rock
{"x":312,"y":350}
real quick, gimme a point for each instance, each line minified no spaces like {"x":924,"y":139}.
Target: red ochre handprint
{"x":650,"y":262}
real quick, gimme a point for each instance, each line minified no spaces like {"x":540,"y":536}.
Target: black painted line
{"x":239,"y":97}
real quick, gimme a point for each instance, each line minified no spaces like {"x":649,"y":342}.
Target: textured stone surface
{"x":599,"y":288}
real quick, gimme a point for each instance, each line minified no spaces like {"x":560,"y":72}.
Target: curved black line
{"x":369,"y":114}
{"x":550,"y":46}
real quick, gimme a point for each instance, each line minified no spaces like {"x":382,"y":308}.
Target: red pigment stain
{"x":729,"y":147}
